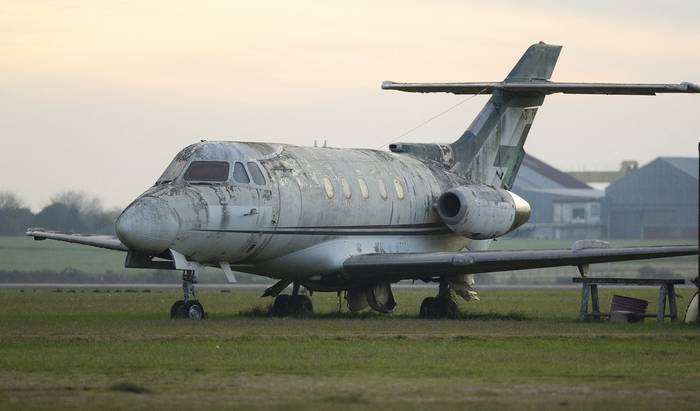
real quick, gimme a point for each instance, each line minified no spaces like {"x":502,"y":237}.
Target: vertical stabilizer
{"x":491,"y":150}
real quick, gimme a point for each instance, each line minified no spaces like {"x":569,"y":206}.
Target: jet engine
{"x":482,"y":212}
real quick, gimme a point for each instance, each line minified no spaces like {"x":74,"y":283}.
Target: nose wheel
{"x":189,"y":306}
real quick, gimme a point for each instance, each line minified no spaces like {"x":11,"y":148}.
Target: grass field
{"x":513,"y":350}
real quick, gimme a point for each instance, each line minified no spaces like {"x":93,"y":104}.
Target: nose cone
{"x":149,"y":225}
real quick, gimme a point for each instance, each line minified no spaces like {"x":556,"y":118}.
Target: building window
{"x":578,"y":213}
{"x":382,"y":188}
{"x":595,"y":210}
{"x":328,"y":187}
{"x":239,"y":173}
{"x":363,"y":187}
{"x":346,"y":188}
{"x":399,"y":189}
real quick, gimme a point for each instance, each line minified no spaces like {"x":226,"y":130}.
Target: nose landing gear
{"x":189,"y":306}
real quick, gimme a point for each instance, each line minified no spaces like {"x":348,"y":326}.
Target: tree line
{"x":69,"y":211}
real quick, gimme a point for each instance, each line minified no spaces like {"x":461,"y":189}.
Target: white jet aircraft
{"x":358,"y":220}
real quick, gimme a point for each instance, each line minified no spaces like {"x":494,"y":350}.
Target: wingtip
{"x":387,"y":85}
{"x":691,"y":87}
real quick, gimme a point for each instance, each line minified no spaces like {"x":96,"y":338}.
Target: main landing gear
{"x":295,"y":304}
{"x":440,"y":306}
{"x":189,"y":306}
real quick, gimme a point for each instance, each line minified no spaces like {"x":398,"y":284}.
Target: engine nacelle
{"x":481,"y":212}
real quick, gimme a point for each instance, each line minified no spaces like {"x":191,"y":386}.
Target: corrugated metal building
{"x":562,"y":206}
{"x":657,"y":201}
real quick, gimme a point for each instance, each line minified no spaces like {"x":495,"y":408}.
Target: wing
{"x":401,"y":266}
{"x":543,"y":88}
{"x":101,"y":241}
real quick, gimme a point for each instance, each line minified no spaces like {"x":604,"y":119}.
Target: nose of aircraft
{"x":149,"y":225}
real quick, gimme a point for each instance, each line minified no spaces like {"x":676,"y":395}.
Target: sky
{"x":98,"y":96}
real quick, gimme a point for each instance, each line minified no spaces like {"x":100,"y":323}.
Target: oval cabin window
{"x":399,"y":189}
{"x":363,"y":187}
{"x":328,"y":187}
{"x":382,"y":189}
{"x":346,"y":188}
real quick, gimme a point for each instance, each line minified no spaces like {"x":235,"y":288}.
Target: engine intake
{"x":482,"y":212}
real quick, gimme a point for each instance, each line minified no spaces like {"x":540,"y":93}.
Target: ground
{"x":515,"y":349}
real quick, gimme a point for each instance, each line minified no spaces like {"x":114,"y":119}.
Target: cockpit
{"x":197,"y":165}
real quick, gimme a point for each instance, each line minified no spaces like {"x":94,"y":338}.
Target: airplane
{"x":358,"y":220}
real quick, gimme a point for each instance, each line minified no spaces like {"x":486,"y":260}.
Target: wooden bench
{"x":667,"y":291}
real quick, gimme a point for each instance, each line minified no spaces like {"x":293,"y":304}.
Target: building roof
{"x":688,"y":165}
{"x":535,"y":174}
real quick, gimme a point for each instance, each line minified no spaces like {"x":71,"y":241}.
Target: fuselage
{"x":301,"y":216}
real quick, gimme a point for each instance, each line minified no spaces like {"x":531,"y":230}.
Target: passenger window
{"x":256,"y":173}
{"x":207,"y":171}
{"x":363,"y":187}
{"x":399,"y":189}
{"x":328,"y":187}
{"x":382,"y":188}
{"x":239,"y":173}
{"x":346,"y":188}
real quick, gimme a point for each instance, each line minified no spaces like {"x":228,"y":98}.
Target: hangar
{"x":656,"y":201}
{"x":562,"y":206}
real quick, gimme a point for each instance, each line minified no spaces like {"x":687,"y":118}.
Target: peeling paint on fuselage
{"x":295,"y":226}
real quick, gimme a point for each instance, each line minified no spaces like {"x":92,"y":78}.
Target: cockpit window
{"x":207,"y":171}
{"x":256,"y":173}
{"x":172,"y":172}
{"x":239,"y":173}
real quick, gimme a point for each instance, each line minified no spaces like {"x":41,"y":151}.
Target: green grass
{"x":512,"y":350}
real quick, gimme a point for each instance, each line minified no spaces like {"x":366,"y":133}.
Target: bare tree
{"x":79,"y":200}
{"x":8,"y":200}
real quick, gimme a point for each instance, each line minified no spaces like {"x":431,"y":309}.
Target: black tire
{"x":177,"y":310}
{"x":281,"y":306}
{"x":300,"y":305}
{"x":427,"y":307}
{"x":194,"y":310}
{"x":445,"y":308}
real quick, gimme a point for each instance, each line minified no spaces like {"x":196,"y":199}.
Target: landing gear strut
{"x":441,"y":306}
{"x":295,"y":304}
{"x":189,"y":306}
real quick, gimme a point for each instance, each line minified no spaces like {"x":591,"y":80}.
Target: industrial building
{"x":656,"y":201}
{"x":562,"y":206}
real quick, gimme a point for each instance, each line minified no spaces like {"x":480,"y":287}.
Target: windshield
{"x":172,"y":172}
{"x":207,"y":171}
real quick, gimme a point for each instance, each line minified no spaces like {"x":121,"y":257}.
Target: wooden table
{"x":667,"y":291}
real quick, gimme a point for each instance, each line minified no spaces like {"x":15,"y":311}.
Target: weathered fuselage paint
{"x":317,"y":204}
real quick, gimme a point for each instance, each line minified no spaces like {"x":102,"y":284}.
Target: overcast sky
{"x":99,"y":95}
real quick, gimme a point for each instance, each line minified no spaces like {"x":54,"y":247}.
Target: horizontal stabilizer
{"x":543,"y":88}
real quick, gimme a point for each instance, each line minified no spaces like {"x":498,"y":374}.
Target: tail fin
{"x":536,"y":64}
{"x":491,"y":149}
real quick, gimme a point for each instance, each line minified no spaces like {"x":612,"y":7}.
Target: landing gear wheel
{"x":286,"y":305}
{"x":194,"y":310}
{"x":178,"y":310}
{"x":446,"y":308}
{"x":280,"y":308}
{"x":435,"y":307}
{"x":300,"y":305}
{"x":427,"y":308}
